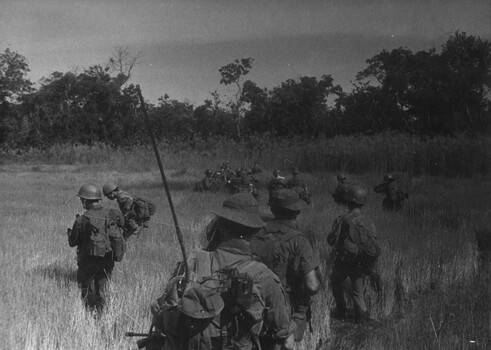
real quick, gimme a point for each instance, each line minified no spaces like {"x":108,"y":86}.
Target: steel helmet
{"x":208,"y":172}
{"x":109,"y":187}
{"x":341,"y":177}
{"x":90,"y":191}
{"x":356,"y":194}
{"x":389,"y":178}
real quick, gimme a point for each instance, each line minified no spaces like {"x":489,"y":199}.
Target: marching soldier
{"x":286,"y":251}
{"x":341,"y":189}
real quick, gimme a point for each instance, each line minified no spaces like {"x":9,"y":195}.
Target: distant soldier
{"x":356,"y":252}
{"x":341,"y":189}
{"x":207,"y":184}
{"x":286,"y":251}
{"x":136,"y":211}
{"x":298,"y":184}
{"x":276,"y":183}
{"x":229,"y":296}
{"x":97,"y":234}
{"x":256,"y":168}
{"x":394,"y":197}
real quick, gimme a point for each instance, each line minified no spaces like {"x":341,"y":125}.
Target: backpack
{"x":269,"y":248}
{"x":103,"y":235}
{"x":236,"y":291}
{"x":359,"y":245}
{"x":143,"y":209}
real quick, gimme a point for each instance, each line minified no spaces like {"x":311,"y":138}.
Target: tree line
{"x":424,"y":92}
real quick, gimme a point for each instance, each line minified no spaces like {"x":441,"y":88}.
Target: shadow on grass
{"x":60,"y":274}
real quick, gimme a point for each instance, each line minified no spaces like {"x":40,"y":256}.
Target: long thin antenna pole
{"x":166,"y":186}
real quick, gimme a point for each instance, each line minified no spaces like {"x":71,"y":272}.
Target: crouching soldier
{"x":136,"y":211}
{"x":98,"y":236}
{"x":229,"y":296}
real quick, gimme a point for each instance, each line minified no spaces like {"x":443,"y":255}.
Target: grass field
{"x":434,"y":295}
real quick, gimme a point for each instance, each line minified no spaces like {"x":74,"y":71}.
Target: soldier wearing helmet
{"x":94,"y":270}
{"x":394,"y":197}
{"x":126,"y":204}
{"x":341,"y":189}
{"x":207,"y":184}
{"x":352,"y":259}
{"x":298,"y":184}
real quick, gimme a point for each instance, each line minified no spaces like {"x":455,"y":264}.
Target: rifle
{"x":152,"y":340}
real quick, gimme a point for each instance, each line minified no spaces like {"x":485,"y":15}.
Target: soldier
{"x":394,"y":197}
{"x":136,"y":211}
{"x":297,"y":184}
{"x":91,"y":235}
{"x":356,"y":252}
{"x":286,"y":251}
{"x":276,"y":183}
{"x":341,"y":189}
{"x":207,"y":184}
{"x":234,"y":323}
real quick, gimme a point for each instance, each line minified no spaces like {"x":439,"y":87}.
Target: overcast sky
{"x":185,"y":42}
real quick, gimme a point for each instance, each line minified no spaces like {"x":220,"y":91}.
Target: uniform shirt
{"x":125,"y":202}
{"x":80,"y":230}
{"x":296,"y":254}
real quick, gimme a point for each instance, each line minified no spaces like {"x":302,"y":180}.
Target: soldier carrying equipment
{"x":98,"y":236}
{"x":394,"y":197}
{"x":229,"y":296}
{"x":341,"y":189}
{"x":136,"y":211}
{"x":356,"y":253}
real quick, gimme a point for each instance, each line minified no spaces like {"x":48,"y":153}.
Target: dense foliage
{"x":423,"y":93}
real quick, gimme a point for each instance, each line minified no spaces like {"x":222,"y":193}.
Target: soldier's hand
{"x":155,"y":308}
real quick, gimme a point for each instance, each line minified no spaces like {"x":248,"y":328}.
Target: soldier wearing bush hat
{"x":236,"y":222}
{"x":293,"y":258}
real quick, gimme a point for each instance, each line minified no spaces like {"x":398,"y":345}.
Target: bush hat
{"x":287,"y":199}
{"x":200,"y":303}
{"x":241,"y":208}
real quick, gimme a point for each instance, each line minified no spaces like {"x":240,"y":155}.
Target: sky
{"x":184,"y":43}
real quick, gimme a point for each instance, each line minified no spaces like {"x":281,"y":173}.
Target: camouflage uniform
{"x":93,"y":272}
{"x":125,"y":202}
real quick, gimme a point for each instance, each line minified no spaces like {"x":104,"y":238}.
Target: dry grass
{"x":431,"y":299}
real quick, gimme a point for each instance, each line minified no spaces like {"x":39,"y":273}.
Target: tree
{"x":13,"y":84}
{"x":122,"y":63}
{"x":231,"y":74}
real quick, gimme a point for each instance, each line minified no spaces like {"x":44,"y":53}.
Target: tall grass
{"x":433,"y":295}
{"x":439,"y":156}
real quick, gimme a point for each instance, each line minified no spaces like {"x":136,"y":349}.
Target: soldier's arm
{"x":307,"y":266}
{"x":331,"y":238}
{"x":75,"y":234}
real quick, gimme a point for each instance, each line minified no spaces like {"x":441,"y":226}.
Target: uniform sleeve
{"x":75,"y":235}
{"x":117,"y":217}
{"x":307,"y":261}
{"x":331,"y":238}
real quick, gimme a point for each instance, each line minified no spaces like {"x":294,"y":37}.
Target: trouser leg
{"x":338,"y":275}
{"x":359,"y":288}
